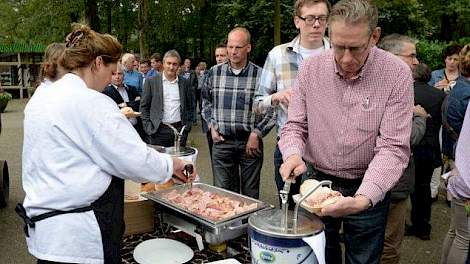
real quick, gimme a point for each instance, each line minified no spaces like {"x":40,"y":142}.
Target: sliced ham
{"x":208,"y":204}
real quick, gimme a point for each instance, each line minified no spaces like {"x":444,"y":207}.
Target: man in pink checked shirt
{"x":350,"y":120}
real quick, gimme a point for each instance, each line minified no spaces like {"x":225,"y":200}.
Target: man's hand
{"x":216,"y":137}
{"x":346,"y":206}
{"x":419,"y":111}
{"x":293,"y":163}
{"x":178,"y":168}
{"x":127,"y":112}
{"x":282,"y":97}
{"x":252,"y":146}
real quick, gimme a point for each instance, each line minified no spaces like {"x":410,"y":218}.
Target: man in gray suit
{"x":167,"y":101}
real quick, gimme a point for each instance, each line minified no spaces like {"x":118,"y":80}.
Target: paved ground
{"x":12,"y":243}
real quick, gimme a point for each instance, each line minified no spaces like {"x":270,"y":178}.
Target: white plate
{"x":225,"y":261}
{"x":162,"y":251}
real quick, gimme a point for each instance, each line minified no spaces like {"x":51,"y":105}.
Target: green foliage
{"x":429,"y":52}
{"x":195,"y":27}
{"x":5,"y":96}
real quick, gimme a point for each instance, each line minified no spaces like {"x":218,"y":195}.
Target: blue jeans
{"x":294,"y":188}
{"x":363,"y":233}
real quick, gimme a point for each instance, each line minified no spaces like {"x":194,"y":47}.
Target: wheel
{"x":4,"y":184}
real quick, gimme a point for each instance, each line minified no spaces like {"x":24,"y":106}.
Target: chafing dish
{"x":213,"y":231}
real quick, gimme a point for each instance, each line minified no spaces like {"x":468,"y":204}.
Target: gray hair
{"x":126,"y":57}
{"x":422,"y":73}
{"x":172,"y":53}
{"x":393,"y":43}
{"x":355,"y":12}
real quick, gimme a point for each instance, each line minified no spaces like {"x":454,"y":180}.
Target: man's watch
{"x":370,"y":202}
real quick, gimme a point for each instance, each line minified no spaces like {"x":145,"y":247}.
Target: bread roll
{"x":321,"y":197}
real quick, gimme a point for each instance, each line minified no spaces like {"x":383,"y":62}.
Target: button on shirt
{"x":171,"y":101}
{"x":279,"y":73}
{"x":75,"y":139}
{"x":358,"y":128}
{"x":228,"y":100}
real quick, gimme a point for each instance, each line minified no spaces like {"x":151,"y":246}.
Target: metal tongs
{"x":187,"y":171}
{"x":284,"y":194}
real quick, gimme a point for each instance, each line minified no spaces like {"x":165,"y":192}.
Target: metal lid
{"x":183,"y":151}
{"x":271,"y":223}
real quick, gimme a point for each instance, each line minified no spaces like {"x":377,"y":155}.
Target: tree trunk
{"x":109,"y":15}
{"x":91,"y":14}
{"x":143,"y":27}
{"x":277,"y":22}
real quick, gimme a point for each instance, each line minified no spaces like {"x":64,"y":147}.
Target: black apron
{"x":109,"y":212}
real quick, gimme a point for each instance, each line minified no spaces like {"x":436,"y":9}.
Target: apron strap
{"x":30,"y":221}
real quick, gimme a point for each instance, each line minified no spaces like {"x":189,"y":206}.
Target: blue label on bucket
{"x":267,"y":257}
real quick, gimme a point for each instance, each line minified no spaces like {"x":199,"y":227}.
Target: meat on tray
{"x":207,"y":204}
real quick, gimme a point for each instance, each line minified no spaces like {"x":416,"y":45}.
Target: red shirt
{"x":358,"y":128}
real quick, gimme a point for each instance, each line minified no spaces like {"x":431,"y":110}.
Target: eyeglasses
{"x":310,"y":20}
{"x":411,"y":56}
{"x":237,"y":47}
{"x":355,"y":51}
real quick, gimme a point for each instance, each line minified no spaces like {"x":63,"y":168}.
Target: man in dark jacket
{"x":124,"y":96}
{"x":426,"y":154}
{"x":404,"y":48}
{"x":167,"y":103}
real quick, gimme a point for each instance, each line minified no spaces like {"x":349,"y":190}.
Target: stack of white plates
{"x":162,"y":251}
{"x":225,"y":261}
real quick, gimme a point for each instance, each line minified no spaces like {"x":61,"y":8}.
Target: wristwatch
{"x":370,"y":202}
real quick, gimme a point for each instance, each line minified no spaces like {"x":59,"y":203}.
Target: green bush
{"x":430,"y":52}
{"x":5,"y":97}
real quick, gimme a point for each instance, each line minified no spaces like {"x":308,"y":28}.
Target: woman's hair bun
{"x":78,"y":33}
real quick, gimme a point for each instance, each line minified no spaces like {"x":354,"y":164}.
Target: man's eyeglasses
{"x":355,"y":51}
{"x":411,"y":56}
{"x":310,"y":20}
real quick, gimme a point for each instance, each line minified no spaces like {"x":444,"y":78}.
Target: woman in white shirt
{"x":78,"y":147}
{"x":51,"y":71}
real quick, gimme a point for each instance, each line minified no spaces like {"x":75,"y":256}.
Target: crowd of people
{"x":352,"y":107}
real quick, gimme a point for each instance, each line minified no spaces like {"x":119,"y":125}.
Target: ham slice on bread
{"x":320,"y":198}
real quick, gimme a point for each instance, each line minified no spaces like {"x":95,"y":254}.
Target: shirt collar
{"x":364,"y":68}
{"x":294,"y":45}
{"x":242,"y":70}
{"x":119,"y":89}
{"x":165,"y":79}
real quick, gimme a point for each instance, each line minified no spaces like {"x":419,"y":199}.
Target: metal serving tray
{"x":157,"y":196}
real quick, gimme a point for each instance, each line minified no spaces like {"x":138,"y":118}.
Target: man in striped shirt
{"x":350,"y":118}
{"x":281,"y":67}
{"x":235,"y":129}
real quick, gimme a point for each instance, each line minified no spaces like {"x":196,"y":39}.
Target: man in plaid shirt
{"x":236,"y":130}
{"x":282,"y":64}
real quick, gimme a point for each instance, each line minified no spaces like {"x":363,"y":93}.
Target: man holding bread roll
{"x":350,"y":119}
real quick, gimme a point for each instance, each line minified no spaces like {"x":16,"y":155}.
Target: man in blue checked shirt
{"x":236,"y":130}
{"x":281,"y":66}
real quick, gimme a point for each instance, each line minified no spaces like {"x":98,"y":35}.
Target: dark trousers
{"x":421,"y":197}
{"x":166,"y":137}
{"x":294,"y":188}
{"x":228,"y":158}
{"x":363,"y":232}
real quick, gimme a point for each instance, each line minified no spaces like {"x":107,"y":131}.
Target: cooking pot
{"x":271,"y":242}
{"x":188,"y":154}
